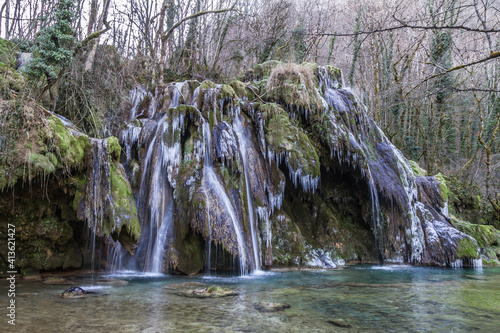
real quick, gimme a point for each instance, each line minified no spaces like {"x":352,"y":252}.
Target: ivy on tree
{"x":54,"y":46}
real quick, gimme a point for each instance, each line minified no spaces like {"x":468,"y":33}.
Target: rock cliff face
{"x":57,"y":186}
{"x":284,"y":169}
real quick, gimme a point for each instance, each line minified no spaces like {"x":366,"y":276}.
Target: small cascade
{"x":129,"y":138}
{"x":160,"y":241}
{"x":209,"y":238}
{"x":97,"y":195}
{"x":115,"y":255}
{"x":477,"y":263}
{"x":136,"y":96}
{"x":155,"y":203}
{"x":212,"y":183}
{"x":238,"y":128}
{"x":263,"y":214}
{"x":377,"y":227}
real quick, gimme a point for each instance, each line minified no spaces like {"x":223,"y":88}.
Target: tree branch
{"x":492,"y":55}
{"x":96,"y":34}
{"x":217,"y":11}
{"x":407,"y":26}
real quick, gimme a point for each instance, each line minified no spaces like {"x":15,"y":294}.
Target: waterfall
{"x":209,"y":238}
{"x":377,"y":228}
{"x":238,"y":128}
{"x":169,"y":146}
{"x":213,"y":184}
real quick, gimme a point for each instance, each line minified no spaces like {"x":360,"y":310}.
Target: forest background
{"x":428,"y":71}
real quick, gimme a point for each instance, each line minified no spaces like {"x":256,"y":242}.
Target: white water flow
{"x":377,"y":229}
{"x":161,"y":237}
{"x":212,"y":182}
{"x":238,"y":128}
{"x":209,"y":238}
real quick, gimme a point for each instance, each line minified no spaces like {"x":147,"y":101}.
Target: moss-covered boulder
{"x":50,"y":169}
{"x":417,"y":169}
{"x":285,"y":139}
{"x":294,"y":85}
{"x":467,"y":248}
{"x":486,"y":235}
{"x":10,"y":79}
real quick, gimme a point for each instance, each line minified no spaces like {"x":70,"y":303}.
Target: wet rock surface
{"x":270,"y":306}
{"x":76,"y":292}
{"x":339,"y":323}
{"x":209,"y":292}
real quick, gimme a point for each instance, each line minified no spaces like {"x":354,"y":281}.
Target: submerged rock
{"x":271,"y":306}
{"x":210,"y":292}
{"x":76,"y":292}
{"x":339,"y":323}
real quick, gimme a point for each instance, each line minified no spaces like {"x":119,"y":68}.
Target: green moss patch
{"x":283,"y":137}
{"x":486,"y":235}
{"x":467,"y":248}
{"x":124,"y":208}
{"x":71,"y":149}
{"x":114,"y":148}
{"x":8,"y":52}
{"x":417,"y":170}
{"x":442,"y":186}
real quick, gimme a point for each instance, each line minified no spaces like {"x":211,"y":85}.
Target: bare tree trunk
{"x":7,"y":14}
{"x":92,"y":17}
{"x":102,"y":21}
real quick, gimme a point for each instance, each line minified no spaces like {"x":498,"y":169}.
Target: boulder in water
{"x":75,"y":292}
{"x":270,"y":306}
{"x":339,"y":323}
{"x":210,"y":292}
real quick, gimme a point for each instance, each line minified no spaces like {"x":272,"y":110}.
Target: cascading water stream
{"x":238,"y":128}
{"x":377,"y":228}
{"x":209,"y":238}
{"x":212,"y":183}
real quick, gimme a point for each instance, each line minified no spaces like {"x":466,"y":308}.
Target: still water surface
{"x":368,"y":298}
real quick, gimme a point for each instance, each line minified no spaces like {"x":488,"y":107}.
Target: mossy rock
{"x":114,"y":148}
{"x":294,"y":85}
{"x":489,"y":257}
{"x":71,"y":149}
{"x":417,"y":170}
{"x":284,"y":137}
{"x":10,"y":78}
{"x":125,"y":218}
{"x":442,"y":187}
{"x":227,"y":92}
{"x":45,"y":164}
{"x":259,"y":87}
{"x":8,"y":51}
{"x":210,"y":292}
{"x":264,"y":70}
{"x":486,"y":235}
{"x":190,"y":255}
{"x":59,"y":232}
{"x":241,"y":90}
{"x":207,"y":84}
{"x":467,"y":248}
